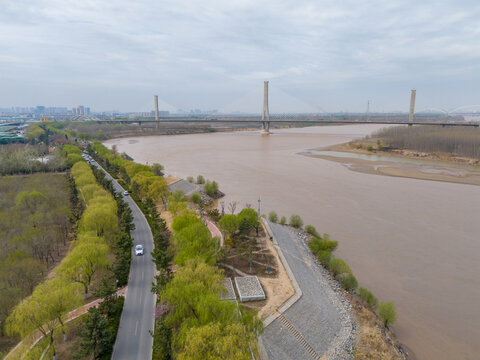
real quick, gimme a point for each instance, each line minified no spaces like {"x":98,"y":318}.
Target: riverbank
{"x":368,"y":339}
{"x":95,"y":131}
{"x":395,"y":233}
{"x":402,"y":163}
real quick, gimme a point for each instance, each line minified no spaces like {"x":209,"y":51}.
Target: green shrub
{"x":318,"y":244}
{"x":296,"y":221}
{"x":329,"y":244}
{"x":157,"y":169}
{"x":190,"y":179}
{"x":211,"y":188}
{"x":196,"y":198}
{"x":311,"y":230}
{"x":387,"y":313}
{"x":369,"y":148}
{"x":315,"y":245}
{"x":338,"y":266}
{"x":379,"y":145}
{"x":249,"y":215}
{"x":272,"y":216}
{"x":348,"y":281}
{"x":283,"y":220}
{"x":200,"y":179}
{"x":324,"y":257}
{"x":368,"y":297}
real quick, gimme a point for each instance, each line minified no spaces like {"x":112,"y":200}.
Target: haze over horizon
{"x":318,"y":56}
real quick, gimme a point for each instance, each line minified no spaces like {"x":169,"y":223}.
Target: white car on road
{"x":139,"y":250}
{"x":125,"y":193}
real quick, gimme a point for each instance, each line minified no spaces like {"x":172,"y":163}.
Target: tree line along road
{"x":134,"y":340}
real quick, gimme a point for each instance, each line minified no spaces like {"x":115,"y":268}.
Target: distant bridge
{"x":283,"y":120}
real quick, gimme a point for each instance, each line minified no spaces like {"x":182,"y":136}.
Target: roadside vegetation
{"x":191,"y":320}
{"x":202,"y":326}
{"x":85,"y":272}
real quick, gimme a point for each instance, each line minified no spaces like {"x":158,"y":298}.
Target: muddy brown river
{"x":414,"y":242}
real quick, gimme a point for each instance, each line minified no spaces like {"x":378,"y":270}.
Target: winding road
{"x":134,"y":341}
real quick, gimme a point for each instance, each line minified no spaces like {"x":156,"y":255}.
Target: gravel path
{"x":321,"y":317}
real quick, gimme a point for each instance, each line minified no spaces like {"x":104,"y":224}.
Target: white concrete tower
{"x":265,"y":113}
{"x":155,"y":100}
{"x":412,"y":105}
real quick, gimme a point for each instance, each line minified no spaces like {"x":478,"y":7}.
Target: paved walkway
{"x":317,"y":324}
{"x":215,"y":231}
{"x":18,"y":351}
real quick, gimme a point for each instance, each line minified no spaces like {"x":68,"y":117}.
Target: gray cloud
{"x":213,"y":54}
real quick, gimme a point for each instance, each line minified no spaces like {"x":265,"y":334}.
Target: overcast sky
{"x":317,"y":55}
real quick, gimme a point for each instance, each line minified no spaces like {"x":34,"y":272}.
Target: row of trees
{"x":202,"y":325}
{"x":50,"y":302}
{"x":92,"y":130}
{"x":457,"y":140}
{"x":322,"y":247}
{"x":144,"y":181}
{"x":295,"y":220}
{"x":100,"y":327}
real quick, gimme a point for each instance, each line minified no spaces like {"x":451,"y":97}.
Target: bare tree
{"x":232,"y":205}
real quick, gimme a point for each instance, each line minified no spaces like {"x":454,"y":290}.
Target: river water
{"x":414,"y":242}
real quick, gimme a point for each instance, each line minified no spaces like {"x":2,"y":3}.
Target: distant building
{"x":40,"y":109}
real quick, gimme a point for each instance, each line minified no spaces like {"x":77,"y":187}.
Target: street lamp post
{"x":258,"y":215}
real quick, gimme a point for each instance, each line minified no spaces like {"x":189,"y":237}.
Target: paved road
{"x":133,"y":338}
{"x":316,"y":316}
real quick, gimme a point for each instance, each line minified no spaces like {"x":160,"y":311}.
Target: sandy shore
{"x":402,"y":164}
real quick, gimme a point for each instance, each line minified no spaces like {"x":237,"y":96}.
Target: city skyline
{"x":318,"y":57}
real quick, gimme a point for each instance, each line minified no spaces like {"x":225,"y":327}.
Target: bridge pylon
{"x":412,"y":107}
{"x":265,"y":114}
{"x":155,"y":101}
